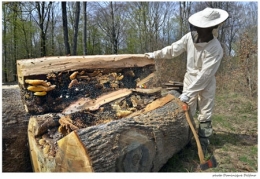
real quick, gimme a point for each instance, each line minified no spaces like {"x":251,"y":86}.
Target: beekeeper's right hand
{"x":150,"y":55}
{"x":184,"y":98}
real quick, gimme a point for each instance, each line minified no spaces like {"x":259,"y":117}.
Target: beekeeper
{"x":204,"y":54}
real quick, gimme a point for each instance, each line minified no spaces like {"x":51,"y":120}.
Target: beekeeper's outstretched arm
{"x":173,"y":50}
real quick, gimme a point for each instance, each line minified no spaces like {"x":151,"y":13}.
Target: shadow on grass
{"x":221,"y":138}
{"x":187,"y":159}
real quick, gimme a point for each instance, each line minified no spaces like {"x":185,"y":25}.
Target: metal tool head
{"x":211,"y":163}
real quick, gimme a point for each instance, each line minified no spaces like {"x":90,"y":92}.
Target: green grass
{"x":254,"y":150}
{"x":244,"y":159}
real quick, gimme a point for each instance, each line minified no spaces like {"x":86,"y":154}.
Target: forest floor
{"x":234,"y":142}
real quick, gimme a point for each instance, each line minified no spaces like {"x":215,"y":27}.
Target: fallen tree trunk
{"x":99,"y":114}
{"x":142,"y":143}
{"x":15,"y":148}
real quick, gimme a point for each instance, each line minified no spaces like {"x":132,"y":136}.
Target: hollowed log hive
{"x":99,"y":114}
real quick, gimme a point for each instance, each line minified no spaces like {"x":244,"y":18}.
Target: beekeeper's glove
{"x":184,"y":98}
{"x":150,"y":55}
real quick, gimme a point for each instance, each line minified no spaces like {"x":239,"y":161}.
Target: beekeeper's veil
{"x":207,"y":18}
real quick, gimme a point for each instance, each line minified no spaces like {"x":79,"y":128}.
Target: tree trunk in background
{"x":65,"y":28}
{"x":13,"y":64}
{"x":26,"y":44}
{"x":4,"y":65}
{"x":52,"y":31}
{"x":144,"y":6}
{"x":42,"y":15}
{"x":31,"y":40}
{"x":185,"y":8}
{"x":85,"y":28}
{"x":76,"y":29}
{"x":114,"y":37}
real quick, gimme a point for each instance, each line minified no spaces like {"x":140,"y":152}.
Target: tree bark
{"x":142,"y":143}
{"x":52,"y":31}
{"x":15,"y":149}
{"x":76,"y":29}
{"x":85,"y":28}
{"x":4,"y":65}
{"x":13,"y":67}
{"x":65,"y":28}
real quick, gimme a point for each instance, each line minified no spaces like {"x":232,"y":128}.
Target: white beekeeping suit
{"x":204,"y":55}
{"x":203,"y":60}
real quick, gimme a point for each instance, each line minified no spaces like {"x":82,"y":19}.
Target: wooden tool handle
{"x":200,"y":152}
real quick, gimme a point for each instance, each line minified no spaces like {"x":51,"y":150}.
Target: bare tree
{"x":149,"y":20}
{"x":185,"y":12}
{"x":43,"y":13}
{"x":109,"y":21}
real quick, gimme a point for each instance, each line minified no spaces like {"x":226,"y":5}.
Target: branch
{"x":49,"y":10}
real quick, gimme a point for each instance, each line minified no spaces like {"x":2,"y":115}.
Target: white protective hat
{"x":208,"y":17}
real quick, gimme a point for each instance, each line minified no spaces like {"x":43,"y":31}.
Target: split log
{"x":45,"y":65}
{"x":99,"y":114}
{"x":51,"y":84}
{"x":154,"y":105}
{"x":142,"y":143}
{"x":92,"y":105}
{"x":145,"y":80}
